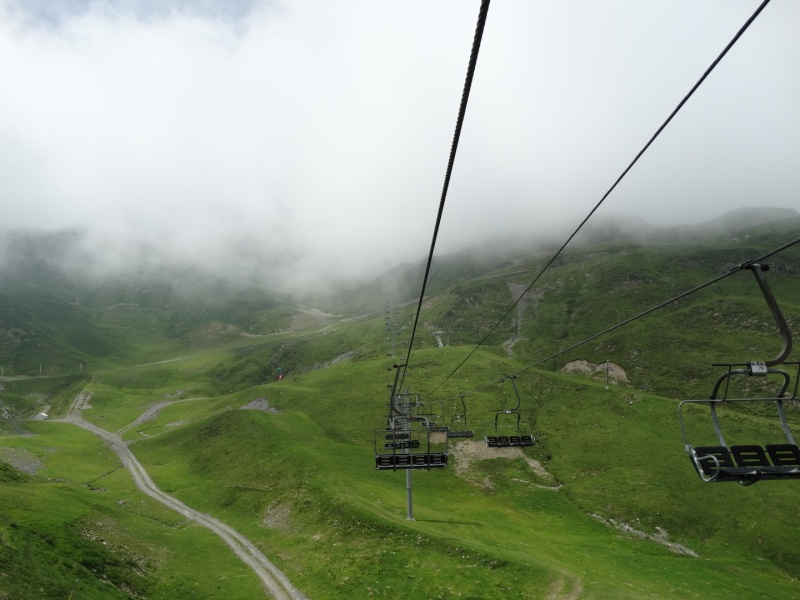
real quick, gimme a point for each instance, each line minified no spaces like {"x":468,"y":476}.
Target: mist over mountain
{"x":731,"y":223}
{"x":72,"y":255}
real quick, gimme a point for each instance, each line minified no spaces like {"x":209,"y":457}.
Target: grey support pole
{"x":410,"y":514}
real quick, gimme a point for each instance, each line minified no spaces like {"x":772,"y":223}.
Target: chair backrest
{"x":784,"y":455}
{"x":707,"y":454}
{"x":750,"y":456}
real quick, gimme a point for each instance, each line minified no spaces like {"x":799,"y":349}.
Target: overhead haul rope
{"x":680,"y":296}
{"x":473,"y":59}
{"x":611,"y":189}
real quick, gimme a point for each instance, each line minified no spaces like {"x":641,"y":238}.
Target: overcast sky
{"x":316,"y":134}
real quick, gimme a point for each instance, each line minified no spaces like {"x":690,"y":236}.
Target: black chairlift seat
{"x":506,"y":441}
{"x":430,"y":460}
{"x":467,"y":433}
{"x":402,"y":444}
{"x":746,"y":464}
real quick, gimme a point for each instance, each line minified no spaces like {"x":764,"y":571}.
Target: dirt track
{"x":276,"y":584}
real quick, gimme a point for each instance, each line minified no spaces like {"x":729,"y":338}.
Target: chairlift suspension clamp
{"x":757,"y":367}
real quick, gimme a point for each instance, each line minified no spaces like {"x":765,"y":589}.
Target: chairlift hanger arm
{"x":758,"y":270}
{"x":393,"y":393}
{"x":516,"y":393}
{"x":508,"y":412}
{"x":754,"y":367}
{"x":513,"y":379}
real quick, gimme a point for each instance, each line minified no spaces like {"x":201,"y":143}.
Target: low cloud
{"x":311,"y":138}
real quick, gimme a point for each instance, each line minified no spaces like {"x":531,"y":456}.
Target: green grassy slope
{"x":80,"y":523}
{"x":492,"y":530}
{"x":301,"y":482}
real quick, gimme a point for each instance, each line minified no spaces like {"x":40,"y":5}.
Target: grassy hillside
{"x":606,"y":505}
{"x":302,"y":484}
{"x":80,"y":525}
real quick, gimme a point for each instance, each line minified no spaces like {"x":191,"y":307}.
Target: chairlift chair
{"x":458,"y":423}
{"x":433,"y":422}
{"x":747,"y":464}
{"x":407,"y":443}
{"x":509,"y":434}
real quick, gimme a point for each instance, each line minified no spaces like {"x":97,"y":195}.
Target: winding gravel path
{"x":276,"y":584}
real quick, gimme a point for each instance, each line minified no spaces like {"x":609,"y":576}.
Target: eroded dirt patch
{"x":467,"y":451}
{"x":277,"y":516}
{"x":260,"y":404}
{"x":21,"y":459}
{"x":661,"y":536}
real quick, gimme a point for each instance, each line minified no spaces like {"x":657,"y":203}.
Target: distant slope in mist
{"x":402,"y":283}
{"x":732,"y":223}
{"x":52,"y":314}
{"x":55,"y":314}
{"x":744,"y":218}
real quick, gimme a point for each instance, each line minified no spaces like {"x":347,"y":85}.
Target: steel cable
{"x":611,"y":189}
{"x":473,"y":60}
